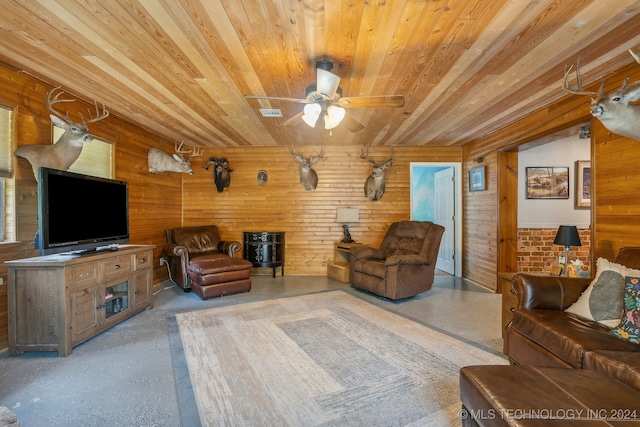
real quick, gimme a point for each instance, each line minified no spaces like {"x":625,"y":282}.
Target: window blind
{"x":6,"y":138}
{"x":96,"y":158}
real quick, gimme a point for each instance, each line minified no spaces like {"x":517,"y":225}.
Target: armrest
{"x":229,"y":247}
{"x":408,"y":259}
{"x":547,"y":292}
{"x":181,"y":252}
{"x":366,"y":252}
{"x":176,"y":250}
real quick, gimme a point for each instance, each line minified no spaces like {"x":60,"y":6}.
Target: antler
{"x":194,"y":152}
{"x":49,"y":101}
{"x":99,"y":115}
{"x":365,"y":156}
{"x":56,"y":100}
{"x":580,"y":91}
{"x":389,"y":161}
{"x":315,"y":159}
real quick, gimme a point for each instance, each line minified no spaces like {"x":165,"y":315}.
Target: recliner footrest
{"x":221,"y":289}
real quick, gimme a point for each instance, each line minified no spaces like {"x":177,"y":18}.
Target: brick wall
{"x":538,"y":254}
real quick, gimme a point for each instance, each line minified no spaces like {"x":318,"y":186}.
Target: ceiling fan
{"x":325,"y":104}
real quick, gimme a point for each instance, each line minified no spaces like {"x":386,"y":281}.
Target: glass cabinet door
{"x":116,"y":298}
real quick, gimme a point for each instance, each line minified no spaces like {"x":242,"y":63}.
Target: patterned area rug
{"x":326,"y":359}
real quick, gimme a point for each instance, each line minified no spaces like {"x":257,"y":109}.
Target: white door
{"x":444,"y":191}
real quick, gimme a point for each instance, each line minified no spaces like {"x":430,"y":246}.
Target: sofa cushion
{"x":602,"y":301}
{"x":566,"y":335}
{"x":206,"y":265}
{"x":198,"y":239}
{"x":530,"y":396}
{"x":622,"y":365}
{"x":629,"y":326}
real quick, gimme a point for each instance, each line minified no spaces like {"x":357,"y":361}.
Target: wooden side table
{"x":338,"y":269}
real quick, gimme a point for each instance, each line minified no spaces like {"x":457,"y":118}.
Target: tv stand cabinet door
{"x":86,"y":309}
{"x":142,"y":290}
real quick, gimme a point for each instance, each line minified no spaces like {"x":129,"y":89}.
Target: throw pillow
{"x":602,"y":300}
{"x":629,"y":326}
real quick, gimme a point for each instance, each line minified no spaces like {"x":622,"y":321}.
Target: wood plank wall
{"x":307,"y":217}
{"x":615,"y":181}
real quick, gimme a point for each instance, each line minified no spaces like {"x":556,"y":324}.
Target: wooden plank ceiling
{"x":181,"y":68}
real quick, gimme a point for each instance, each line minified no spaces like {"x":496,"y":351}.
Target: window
{"x":96,"y":158}
{"x":6,"y":187}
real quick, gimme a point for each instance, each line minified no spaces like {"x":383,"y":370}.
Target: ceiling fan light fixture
{"x":311,"y":114}
{"x":333,"y":117}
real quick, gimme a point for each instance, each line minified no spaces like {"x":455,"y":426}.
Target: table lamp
{"x":346,"y":216}
{"x":567,"y":236}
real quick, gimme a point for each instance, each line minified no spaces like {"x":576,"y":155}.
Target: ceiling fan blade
{"x":351,"y":123}
{"x":327,"y":83}
{"x":293,"y":120}
{"x":278,"y":98}
{"x":382,"y":101}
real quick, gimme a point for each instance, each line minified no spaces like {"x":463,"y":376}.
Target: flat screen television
{"x":80,"y":213}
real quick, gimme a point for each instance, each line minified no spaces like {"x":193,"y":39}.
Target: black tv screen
{"x":80,"y":212}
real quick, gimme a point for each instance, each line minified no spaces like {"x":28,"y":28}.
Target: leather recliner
{"x":404,"y":264}
{"x":204,"y":263}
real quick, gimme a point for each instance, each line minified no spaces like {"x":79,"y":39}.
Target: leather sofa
{"x":560,"y":361}
{"x":542,"y":333}
{"x":404,"y":264}
{"x":204,"y":263}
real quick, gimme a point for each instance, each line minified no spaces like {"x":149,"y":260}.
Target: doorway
{"x":435,"y":197}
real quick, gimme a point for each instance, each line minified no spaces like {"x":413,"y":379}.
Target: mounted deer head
{"x":160,"y":161}
{"x":308,"y":177}
{"x":221,"y":172}
{"x":374,"y":185}
{"x":64,"y":152}
{"x":612,"y":108}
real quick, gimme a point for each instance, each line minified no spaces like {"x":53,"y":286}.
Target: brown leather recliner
{"x":202,"y":262}
{"x":404,"y":264}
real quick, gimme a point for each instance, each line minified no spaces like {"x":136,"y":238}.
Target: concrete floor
{"x":125,"y":375}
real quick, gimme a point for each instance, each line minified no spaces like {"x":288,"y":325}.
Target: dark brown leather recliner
{"x":200,"y":261}
{"x":403,"y":266}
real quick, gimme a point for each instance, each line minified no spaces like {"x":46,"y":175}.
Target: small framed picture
{"x":547,"y":182}
{"x":583,"y":184}
{"x":476,"y":179}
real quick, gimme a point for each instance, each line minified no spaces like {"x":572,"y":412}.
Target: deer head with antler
{"x":612,"y":108}
{"x":308,"y":177}
{"x":64,"y":152}
{"x":161,"y":161}
{"x":374,"y":186}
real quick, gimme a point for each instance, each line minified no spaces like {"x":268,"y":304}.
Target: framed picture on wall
{"x":547,"y":182}
{"x":477,"y":179}
{"x":583,"y":184}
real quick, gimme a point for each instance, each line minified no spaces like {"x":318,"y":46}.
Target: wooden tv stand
{"x":56,"y":302}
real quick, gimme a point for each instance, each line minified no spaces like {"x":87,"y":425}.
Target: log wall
{"x":307,"y":217}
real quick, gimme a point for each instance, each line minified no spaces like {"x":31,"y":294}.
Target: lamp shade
{"x":334,"y":116}
{"x":567,"y":235}
{"x":311,"y":114}
{"x":348,"y":215}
